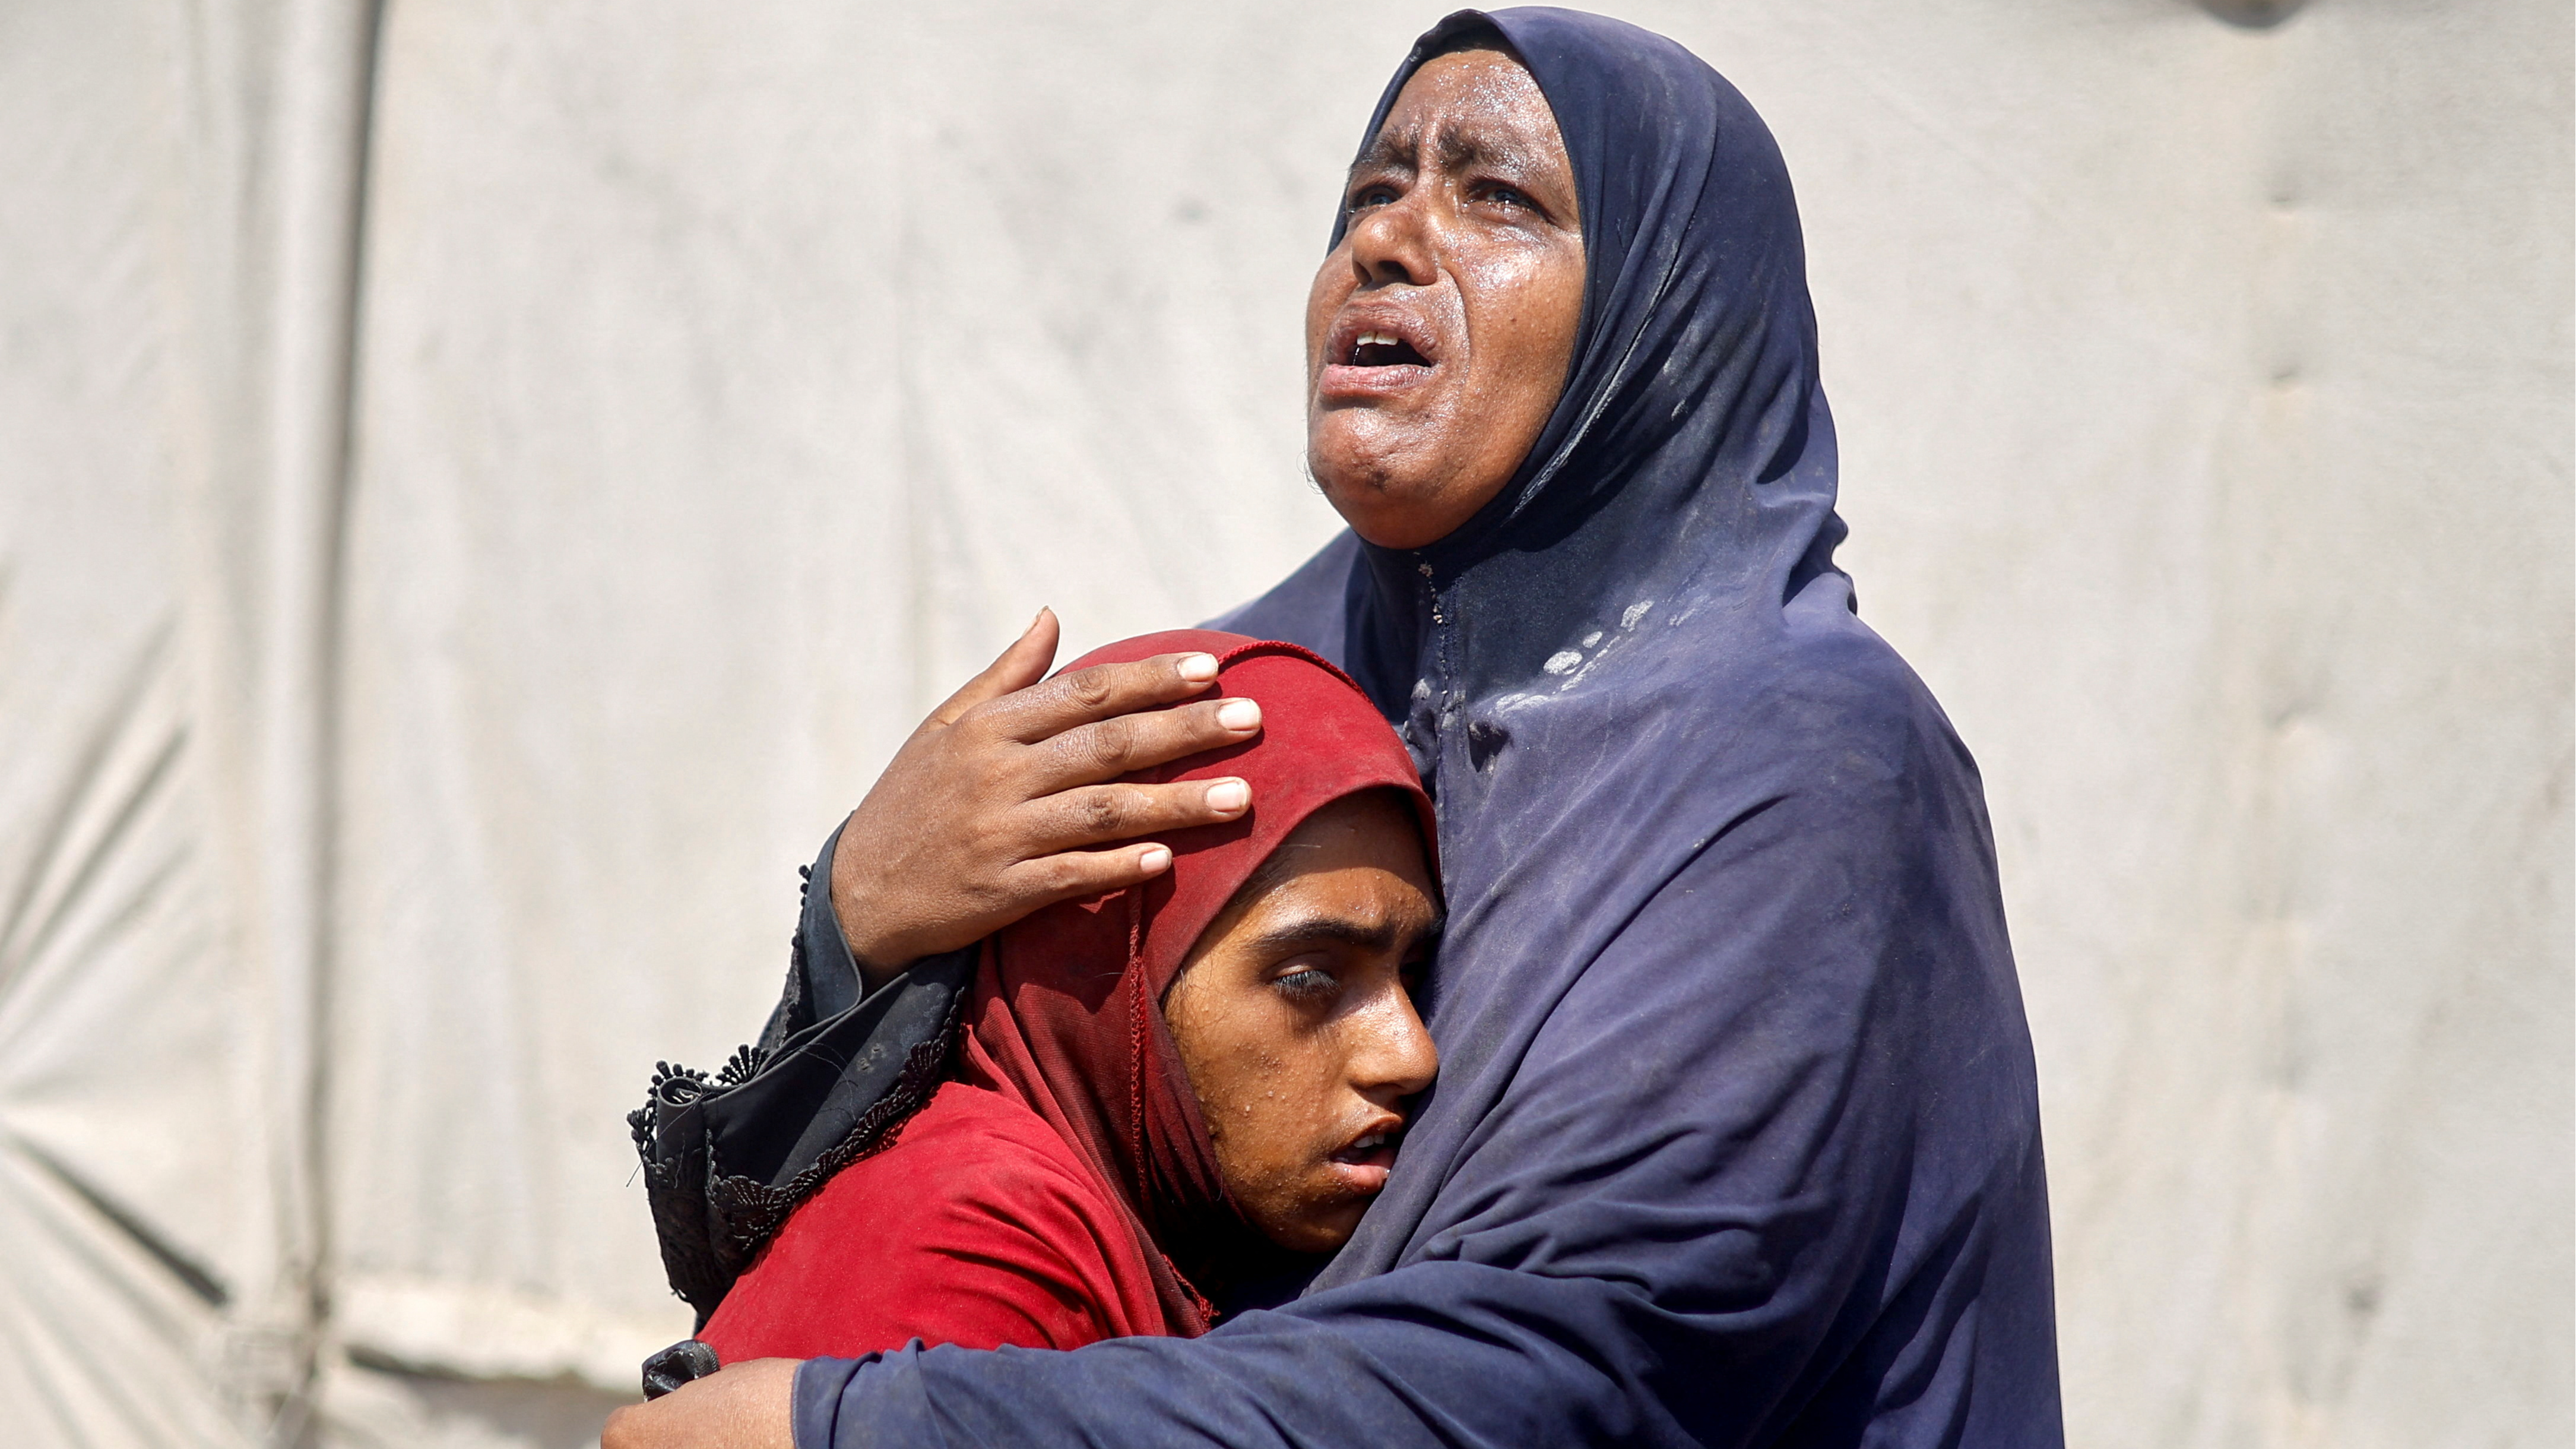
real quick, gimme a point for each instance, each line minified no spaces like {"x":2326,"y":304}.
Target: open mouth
{"x":1381,"y":348}
{"x":1377,"y":1149}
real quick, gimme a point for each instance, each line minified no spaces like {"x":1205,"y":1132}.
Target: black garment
{"x":726,"y":1160}
{"x":1736,"y":1135}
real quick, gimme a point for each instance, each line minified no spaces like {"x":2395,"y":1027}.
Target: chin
{"x":1383,"y":503}
{"x":1320,"y":1226}
{"x":1395,"y":486}
{"x":1314,"y":1237}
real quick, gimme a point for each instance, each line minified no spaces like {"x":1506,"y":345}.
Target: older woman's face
{"x":1295,"y":1023}
{"x":1438,"y":333}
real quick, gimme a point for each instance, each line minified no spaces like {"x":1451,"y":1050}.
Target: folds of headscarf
{"x":1067,"y":1013}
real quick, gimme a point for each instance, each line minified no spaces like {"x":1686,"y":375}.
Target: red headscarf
{"x":1067,"y":1016}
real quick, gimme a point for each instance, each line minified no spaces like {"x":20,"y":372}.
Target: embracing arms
{"x":1773,"y":1156}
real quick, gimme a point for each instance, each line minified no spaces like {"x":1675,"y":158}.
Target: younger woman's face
{"x":1295,"y":1020}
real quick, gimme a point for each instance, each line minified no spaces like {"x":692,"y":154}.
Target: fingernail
{"x":1239,"y":714}
{"x":1198,"y":668}
{"x":1154,"y":860}
{"x":1229,"y":796}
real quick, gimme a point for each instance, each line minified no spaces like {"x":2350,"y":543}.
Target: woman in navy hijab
{"x":1736,"y":1138}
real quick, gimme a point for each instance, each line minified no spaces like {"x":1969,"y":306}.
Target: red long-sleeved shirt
{"x":979,"y":1227}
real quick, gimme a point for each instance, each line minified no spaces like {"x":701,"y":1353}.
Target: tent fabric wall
{"x":177,"y":254}
{"x":482,"y":486}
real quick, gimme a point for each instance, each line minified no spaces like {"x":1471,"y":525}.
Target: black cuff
{"x":832,"y":983}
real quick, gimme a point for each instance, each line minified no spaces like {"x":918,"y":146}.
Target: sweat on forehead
{"x":1286,"y":860}
{"x":1453,"y":147}
{"x":1398,"y":144}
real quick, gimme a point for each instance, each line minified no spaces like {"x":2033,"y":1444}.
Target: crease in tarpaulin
{"x":108,"y":1327}
{"x":170,"y":1256}
{"x":314,"y":499}
{"x":60,"y":865}
{"x":120,"y":1328}
{"x":110,"y":1281}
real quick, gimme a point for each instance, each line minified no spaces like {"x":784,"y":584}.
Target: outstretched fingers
{"x":1010,"y":797}
{"x":1104,"y":691}
{"x":1106,"y":749}
{"x":1074,"y":874}
{"x":1095,"y":814}
{"x":1055,"y":864}
{"x":1023,"y":664}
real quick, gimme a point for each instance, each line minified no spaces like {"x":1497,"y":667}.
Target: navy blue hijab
{"x":1736,"y":1136}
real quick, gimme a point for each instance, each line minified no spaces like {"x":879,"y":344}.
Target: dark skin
{"x":1462,"y":243}
{"x":1439,"y":331}
{"x":1293,"y":1015}
{"x":993,"y":809}
{"x":1295,"y":1020}
{"x":995,"y":806}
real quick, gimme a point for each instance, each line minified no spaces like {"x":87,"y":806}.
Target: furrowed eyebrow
{"x":1317,"y":930}
{"x":1456,"y":148}
{"x":1460,"y":151}
{"x":1385,"y":153}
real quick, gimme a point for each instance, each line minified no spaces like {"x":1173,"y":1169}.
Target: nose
{"x":1395,"y":1057}
{"x":1391,"y":244}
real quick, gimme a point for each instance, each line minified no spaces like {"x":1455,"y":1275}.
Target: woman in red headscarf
{"x":1159,"y":1090}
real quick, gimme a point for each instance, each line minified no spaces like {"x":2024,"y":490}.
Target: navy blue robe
{"x":1736,"y":1136}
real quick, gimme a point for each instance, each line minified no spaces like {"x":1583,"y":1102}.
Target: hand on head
{"x":990,"y":811}
{"x":1234,"y":1045}
{"x":1439,"y":332}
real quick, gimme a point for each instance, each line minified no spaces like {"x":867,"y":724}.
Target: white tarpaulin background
{"x":483,"y":486}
